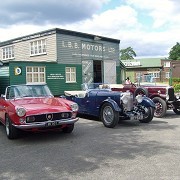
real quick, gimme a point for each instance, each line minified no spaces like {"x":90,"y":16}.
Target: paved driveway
{"x":130,"y":151}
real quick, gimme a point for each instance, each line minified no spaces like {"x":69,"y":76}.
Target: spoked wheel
{"x":109,"y":116}
{"x":148,"y":115}
{"x":161,"y":107}
{"x":68,"y":129}
{"x":11,"y":131}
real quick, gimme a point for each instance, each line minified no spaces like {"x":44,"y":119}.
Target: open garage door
{"x":87,"y":71}
{"x":110,"y":72}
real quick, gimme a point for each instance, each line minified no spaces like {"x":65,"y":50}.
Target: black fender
{"x":147,"y":102}
{"x":113,"y":103}
{"x":141,"y":90}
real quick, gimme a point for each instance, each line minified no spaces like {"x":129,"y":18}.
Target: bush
{"x":176,"y":80}
{"x":176,"y":84}
{"x":177,"y":88}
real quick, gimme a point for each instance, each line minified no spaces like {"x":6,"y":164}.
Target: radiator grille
{"x":171,"y":94}
{"x":47,"y":117}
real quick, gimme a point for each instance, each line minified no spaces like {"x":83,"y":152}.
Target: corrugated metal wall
{"x":4,"y":78}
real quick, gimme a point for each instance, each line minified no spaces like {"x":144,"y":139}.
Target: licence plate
{"x":137,"y":117}
{"x":54,"y":123}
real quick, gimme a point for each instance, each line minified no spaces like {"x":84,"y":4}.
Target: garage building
{"x":61,"y":58}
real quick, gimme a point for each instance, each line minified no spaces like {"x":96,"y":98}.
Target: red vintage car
{"x":162,"y":95}
{"x":32,"y":107}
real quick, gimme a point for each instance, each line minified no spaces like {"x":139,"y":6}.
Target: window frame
{"x":167,"y":75}
{"x":8,"y":52}
{"x":38,"y":47}
{"x":167,"y":64}
{"x":70,"y":75}
{"x":35,"y":74}
{"x":155,"y":74}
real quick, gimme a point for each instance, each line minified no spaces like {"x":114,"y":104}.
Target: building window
{"x":167,"y":75}
{"x":38,"y":47}
{"x":155,"y":74}
{"x":166,"y":64}
{"x":70,"y":74}
{"x":35,"y":74}
{"x":8,"y":52}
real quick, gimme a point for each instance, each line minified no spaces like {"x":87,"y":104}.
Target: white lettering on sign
{"x":137,"y":63}
{"x":88,"y":46}
{"x":90,"y":55}
{"x":55,"y":76}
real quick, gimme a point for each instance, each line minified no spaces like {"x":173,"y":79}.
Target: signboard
{"x":131,"y":64}
{"x":17,"y":71}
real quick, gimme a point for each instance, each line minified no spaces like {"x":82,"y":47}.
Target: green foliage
{"x":174,"y":53}
{"x":176,"y":84}
{"x":177,"y":88}
{"x":176,"y":80}
{"x":127,"y":53}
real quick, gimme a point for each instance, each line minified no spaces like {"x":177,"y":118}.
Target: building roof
{"x":143,"y":63}
{"x":60,"y":31}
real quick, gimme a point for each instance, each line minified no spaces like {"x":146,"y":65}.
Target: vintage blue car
{"x":99,"y":100}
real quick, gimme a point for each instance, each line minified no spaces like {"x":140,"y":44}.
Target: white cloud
{"x":163,"y":12}
{"x":121,"y":23}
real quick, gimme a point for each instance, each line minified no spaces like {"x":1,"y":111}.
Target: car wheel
{"x":109,"y":116}
{"x":141,"y":91}
{"x":177,"y":111}
{"x":161,"y":107}
{"x":148,"y":116}
{"x":68,"y":129}
{"x":11,"y":131}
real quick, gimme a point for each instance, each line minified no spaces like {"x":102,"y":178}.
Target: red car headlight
{"x":20,"y":111}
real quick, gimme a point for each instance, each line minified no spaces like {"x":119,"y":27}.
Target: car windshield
{"x":90,"y":86}
{"x":148,"y":79}
{"x":21,"y":91}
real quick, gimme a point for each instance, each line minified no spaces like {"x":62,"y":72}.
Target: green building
{"x":61,"y":58}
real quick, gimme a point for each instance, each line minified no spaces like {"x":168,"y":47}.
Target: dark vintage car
{"x":100,"y":101}
{"x":162,"y":95}
{"x":34,"y":108}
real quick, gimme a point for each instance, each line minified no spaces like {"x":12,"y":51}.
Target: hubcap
{"x":146,"y":112}
{"x":159,"y":108}
{"x":108,"y":114}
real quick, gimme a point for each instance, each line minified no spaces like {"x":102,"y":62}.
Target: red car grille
{"x":48,"y":117}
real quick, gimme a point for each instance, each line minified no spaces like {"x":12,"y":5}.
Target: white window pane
{"x":34,"y":75}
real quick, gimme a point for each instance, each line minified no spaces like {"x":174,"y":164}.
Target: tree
{"x":127,"y":53}
{"x":174,"y":53}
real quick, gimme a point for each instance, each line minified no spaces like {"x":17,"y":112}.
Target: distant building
{"x":139,"y":67}
{"x":161,"y":69}
{"x":175,"y":67}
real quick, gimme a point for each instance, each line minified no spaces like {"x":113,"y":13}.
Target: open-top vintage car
{"x":99,"y":100}
{"x":34,"y":108}
{"x":162,"y":95}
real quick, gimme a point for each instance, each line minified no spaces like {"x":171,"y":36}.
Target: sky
{"x":150,"y":27}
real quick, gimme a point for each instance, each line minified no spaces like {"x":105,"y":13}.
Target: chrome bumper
{"x":45,"y":124}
